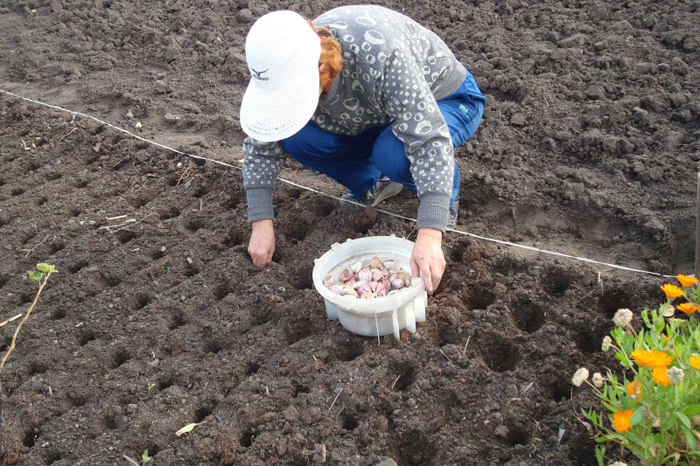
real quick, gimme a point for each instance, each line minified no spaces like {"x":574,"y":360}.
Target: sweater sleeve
{"x":419,"y":124}
{"x":261,"y":166}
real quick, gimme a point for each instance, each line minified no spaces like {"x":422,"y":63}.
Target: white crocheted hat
{"x":282,"y":51}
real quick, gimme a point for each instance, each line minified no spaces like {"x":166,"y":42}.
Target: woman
{"x":368,"y":97}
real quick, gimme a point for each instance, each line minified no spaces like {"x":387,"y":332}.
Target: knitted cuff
{"x":259,"y":204}
{"x":433,"y":211}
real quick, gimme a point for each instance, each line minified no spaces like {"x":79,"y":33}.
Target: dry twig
{"x":5,"y":322}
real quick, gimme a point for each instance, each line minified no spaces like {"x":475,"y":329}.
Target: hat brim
{"x":274,"y":116}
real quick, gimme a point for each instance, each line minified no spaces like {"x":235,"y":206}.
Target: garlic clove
{"x":358,"y":284}
{"x":397,"y":284}
{"x":385,"y":283}
{"x":365,"y":274}
{"x":328,"y":280}
{"x":346,"y":275}
{"x":366,"y":295}
{"x":356,"y":267}
{"x":376,"y":263}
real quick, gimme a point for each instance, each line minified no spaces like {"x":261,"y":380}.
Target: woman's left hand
{"x":427,"y":258}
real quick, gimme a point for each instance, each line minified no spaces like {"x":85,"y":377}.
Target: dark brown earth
{"x":158,"y":319}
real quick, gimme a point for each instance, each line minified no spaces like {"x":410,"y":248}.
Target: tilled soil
{"x":158,"y":319}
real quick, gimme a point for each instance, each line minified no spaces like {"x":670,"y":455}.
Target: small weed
{"x":41,"y":274}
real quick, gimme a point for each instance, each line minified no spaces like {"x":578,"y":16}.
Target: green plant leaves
{"x":637,"y":416}
{"x":692,"y":410}
{"x":661,"y":427}
{"x":46,"y":268}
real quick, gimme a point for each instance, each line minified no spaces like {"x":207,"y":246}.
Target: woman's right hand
{"x":262,"y":242}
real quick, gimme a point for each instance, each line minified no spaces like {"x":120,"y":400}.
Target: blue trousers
{"x":358,"y":161}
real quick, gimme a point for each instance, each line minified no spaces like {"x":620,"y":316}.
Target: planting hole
{"x":518,"y":435}
{"x":529,"y":317}
{"x":415,"y":448}
{"x":58,"y":314}
{"x":556,"y":283}
{"x":404,"y":379}
{"x":41,"y":201}
{"x":479,"y":297}
{"x":142,"y":300}
{"x":52,"y":457}
{"x":77,"y":400}
{"x":298,"y":330}
{"x":170,"y":212}
{"x":499,"y":354}
{"x":124,"y":236}
{"x":299,"y":389}
{"x":110,"y":422}
{"x":350,"y":422}
{"x":349,"y":350}
{"x":252,"y":368}
{"x":201,"y":414}
{"x":213,"y":346}
{"x":194,"y":225}
{"x":29,"y":439}
{"x":590,"y":339}
{"x":178,"y":320}
{"x":110,"y":281}
{"x":234,"y":238}
{"x":24,"y":299}
{"x":560,"y":390}
{"x":221,"y":291}
{"x":246,"y":439}
{"x":458,"y":252}
{"x":17,"y":191}
{"x":37,"y":368}
{"x":166,"y":383}
{"x":76,"y":267}
{"x":55,"y":247}
{"x":120,"y":357}
{"x":261,"y":316}
{"x":190,"y":271}
{"x":200,"y":191}
{"x":613,"y":300}
{"x":85,"y":337}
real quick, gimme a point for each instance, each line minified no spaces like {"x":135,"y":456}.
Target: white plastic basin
{"x":377,"y":316}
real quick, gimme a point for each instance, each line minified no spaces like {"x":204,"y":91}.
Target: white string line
{"x":465,"y":233}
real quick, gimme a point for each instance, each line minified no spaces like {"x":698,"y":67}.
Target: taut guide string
{"x":452,"y":230}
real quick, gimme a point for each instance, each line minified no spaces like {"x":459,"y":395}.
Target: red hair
{"x":331,"y":56}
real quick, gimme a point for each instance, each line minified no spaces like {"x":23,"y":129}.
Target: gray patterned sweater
{"x":394,"y":70}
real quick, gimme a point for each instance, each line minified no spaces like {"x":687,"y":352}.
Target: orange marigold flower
{"x":695,"y":361}
{"x":672,"y":291}
{"x":634,"y":388}
{"x":660,"y":375}
{"x":651,"y":358}
{"x":687,"y":308}
{"x":622,"y":420}
{"x":686,"y":281}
